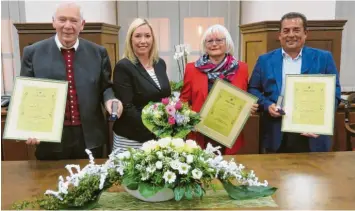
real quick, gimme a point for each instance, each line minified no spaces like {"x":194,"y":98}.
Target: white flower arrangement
{"x":181,"y":56}
{"x":181,"y":53}
{"x":166,"y":163}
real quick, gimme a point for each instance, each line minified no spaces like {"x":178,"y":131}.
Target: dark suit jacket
{"x":135,"y":88}
{"x":92,"y":71}
{"x":266,"y":82}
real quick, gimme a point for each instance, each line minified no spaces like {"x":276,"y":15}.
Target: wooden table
{"x":305,"y":181}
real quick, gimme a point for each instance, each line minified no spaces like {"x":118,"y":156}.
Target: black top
{"x":135,"y":88}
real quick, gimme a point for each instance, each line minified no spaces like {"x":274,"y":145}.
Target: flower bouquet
{"x":169,"y":118}
{"x":187,"y":170}
{"x":183,"y":167}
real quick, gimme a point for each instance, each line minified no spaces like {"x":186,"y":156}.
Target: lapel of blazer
{"x":307,"y":60}
{"x":57,"y":63}
{"x":277,"y":62}
{"x":145,"y":74}
{"x":80,"y":73}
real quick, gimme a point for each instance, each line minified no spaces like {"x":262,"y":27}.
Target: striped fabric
{"x":154,"y":77}
{"x":122,"y":144}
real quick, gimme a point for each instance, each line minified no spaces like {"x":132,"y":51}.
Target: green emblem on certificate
{"x":36,"y":110}
{"x":309,"y":104}
{"x":225,"y":112}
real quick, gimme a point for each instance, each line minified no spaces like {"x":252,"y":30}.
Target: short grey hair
{"x":218,"y":29}
{"x":68,"y":4}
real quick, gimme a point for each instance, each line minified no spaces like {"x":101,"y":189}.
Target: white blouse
{"x":151,"y":72}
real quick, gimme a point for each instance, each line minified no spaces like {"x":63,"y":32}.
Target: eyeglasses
{"x":217,"y":41}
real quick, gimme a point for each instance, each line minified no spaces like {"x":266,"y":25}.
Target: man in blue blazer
{"x":268,"y":82}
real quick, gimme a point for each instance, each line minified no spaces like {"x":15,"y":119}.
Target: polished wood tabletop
{"x":304,"y":181}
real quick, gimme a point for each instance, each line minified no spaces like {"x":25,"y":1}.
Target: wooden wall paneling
{"x":251,"y":136}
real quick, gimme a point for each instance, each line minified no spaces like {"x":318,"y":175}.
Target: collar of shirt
{"x":60,"y":46}
{"x":286,"y":56}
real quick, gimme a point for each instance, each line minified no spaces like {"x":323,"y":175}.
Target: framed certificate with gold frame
{"x":309,"y":103}
{"x":225,"y":112}
{"x":36,"y":110}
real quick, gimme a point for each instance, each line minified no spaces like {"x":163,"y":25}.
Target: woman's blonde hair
{"x":128,"y":50}
{"x":218,"y":29}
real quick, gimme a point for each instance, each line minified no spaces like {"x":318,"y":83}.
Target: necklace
{"x":147,"y":66}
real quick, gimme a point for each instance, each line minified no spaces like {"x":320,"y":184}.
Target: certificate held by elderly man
{"x":36,"y":110}
{"x":225,"y":112}
{"x":309,"y":104}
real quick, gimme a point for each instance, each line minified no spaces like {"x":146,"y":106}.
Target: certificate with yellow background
{"x":225,"y":112}
{"x":309,"y":104}
{"x":36,"y":110}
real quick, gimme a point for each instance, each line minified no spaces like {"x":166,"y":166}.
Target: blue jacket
{"x":266,"y":83}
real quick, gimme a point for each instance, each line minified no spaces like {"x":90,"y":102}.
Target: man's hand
{"x":254,"y":108}
{"x":310,"y":135}
{"x":108,"y":106}
{"x":273,"y":111}
{"x":32,"y":141}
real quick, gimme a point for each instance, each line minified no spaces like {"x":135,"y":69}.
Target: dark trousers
{"x":72,"y":147}
{"x":294,"y":143}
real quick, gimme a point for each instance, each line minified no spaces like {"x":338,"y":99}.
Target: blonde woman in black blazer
{"x":140,"y":77}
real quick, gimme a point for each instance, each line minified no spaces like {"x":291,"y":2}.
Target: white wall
{"x":94,"y":11}
{"x":255,"y":11}
{"x":346,"y":10}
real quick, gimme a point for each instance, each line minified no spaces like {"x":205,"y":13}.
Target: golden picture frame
{"x":36,"y":110}
{"x":309,"y":104}
{"x":225,"y":112}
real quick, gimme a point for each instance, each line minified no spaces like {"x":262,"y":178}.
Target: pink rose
{"x":178,"y":105}
{"x":170,"y":110}
{"x":165,"y":101}
{"x":171,"y":120}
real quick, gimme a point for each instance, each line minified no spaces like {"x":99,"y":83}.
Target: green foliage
{"x":179,"y":192}
{"x":83,"y":196}
{"x":198,"y":191}
{"x":242,"y":192}
{"x":130,"y":183}
{"x":167,"y":163}
{"x":176,"y":86}
{"x":188,"y":192}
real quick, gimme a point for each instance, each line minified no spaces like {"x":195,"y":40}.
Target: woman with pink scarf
{"x":216,"y":62}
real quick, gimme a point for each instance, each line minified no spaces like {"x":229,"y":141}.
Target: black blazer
{"x":135,"y":88}
{"x":92,"y":71}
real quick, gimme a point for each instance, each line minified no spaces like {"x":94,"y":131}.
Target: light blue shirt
{"x":290,"y":66}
